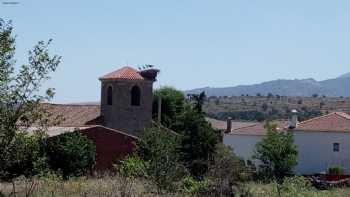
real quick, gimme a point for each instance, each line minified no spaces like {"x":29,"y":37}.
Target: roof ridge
{"x":75,"y":105}
{"x":125,"y":73}
{"x":248,"y":126}
{"x":116,"y":130}
{"x":316,"y":118}
{"x":343,"y":115}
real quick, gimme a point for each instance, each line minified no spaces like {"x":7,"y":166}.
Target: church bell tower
{"x":126,"y":99}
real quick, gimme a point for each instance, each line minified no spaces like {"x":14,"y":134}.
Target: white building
{"x":322,"y":142}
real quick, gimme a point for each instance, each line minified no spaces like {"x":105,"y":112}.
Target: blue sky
{"x":194,"y":43}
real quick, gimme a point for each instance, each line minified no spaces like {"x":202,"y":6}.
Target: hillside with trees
{"x":296,"y":87}
{"x":262,"y":107}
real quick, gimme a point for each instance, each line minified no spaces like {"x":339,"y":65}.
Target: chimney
{"x":229,"y":125}
{"x":293,"y":122}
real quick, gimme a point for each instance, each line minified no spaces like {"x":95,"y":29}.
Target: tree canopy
{"x":277,"y":153}
{"x":19,"y":93}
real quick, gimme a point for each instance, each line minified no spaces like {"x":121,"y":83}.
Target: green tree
{"x":198,"y":101}
{"x":269,"y":95}
{"x":226,"y":170}
{"x":132,"y":168}
{"x":71,"y":153}
{"x":160,"y":148}
{"x":19,"y":94}
{"x":277,"y":153}
{"x":172,"y":105}
{"x":198,"y":140}
{"x":29,"y":158}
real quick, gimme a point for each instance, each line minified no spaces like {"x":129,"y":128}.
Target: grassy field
{"x":262,"y":190}
{"x":79,"y":187}
{"x":115,"y":187}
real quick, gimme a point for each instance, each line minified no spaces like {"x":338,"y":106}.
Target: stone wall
{"x":121,"y":115}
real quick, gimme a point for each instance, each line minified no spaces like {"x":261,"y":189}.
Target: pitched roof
{"x":74,"y":115}
{"x":222,"y":125}
{"x":332,"y":122}
{"x":126,"y":72}
{"x":336,"y":121}
{"x":258,"y":128}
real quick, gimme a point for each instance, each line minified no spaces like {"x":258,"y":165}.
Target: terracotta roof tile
{"x":336,"y":121}
{"x":333,"y":122}
{"x":222,"y":125}
{"x":258,"y":128}
{"x":74,"y":115}
{"x":126,"y":72}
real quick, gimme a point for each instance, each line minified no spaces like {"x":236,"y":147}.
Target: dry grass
{"x":114,"y":187}
{"x":81,"y":187}
{"x":263,"y":190}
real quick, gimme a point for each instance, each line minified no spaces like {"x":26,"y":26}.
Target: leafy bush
{"x":335,"y":170}
{"x":226,"y":171}
{"x":26,"y":158}
{"x":130,"y":169}
{"x":172,"y":104}
{"x":294,"y":186}
{"x":71,"y":153}
{"x":277,"y":154}
{"x":193,"y":186}
{"x":160,"y":148}
{"x":133,"y":167}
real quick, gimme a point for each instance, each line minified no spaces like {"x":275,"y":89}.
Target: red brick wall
{"x":111,"y":146}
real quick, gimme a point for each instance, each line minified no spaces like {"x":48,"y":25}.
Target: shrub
{"x":226,"y":171}
{"x":295,"y":186}
{"x":71,"y":153}
{"x":132,"y":167}
{"x":193,"y":186}
{"x":160,"y":148}
{"x":277,"y":154}
{"x":172,"y":104}
{"x":26,"y":158}
{"x":335,"y":170}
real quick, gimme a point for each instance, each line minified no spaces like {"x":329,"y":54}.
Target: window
{"x":336,"y":147}
{"x":135,"y":96}
{"x":110,"y":95}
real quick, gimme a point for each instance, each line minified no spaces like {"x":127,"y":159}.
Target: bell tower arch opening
{"x":109,"y":95}
{"x":135,"y":96}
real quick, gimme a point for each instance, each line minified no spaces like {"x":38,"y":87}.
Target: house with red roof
{"x":115,"y":124}
{"x":322,"y":142}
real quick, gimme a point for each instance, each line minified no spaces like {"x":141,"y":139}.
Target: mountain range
{"x":339,"y":86}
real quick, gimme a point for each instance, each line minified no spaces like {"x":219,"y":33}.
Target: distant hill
{"x":339,"y":86}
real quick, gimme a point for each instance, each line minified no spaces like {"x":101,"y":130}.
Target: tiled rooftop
{"x":336,"y":121}
{"x":126,"y":72}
